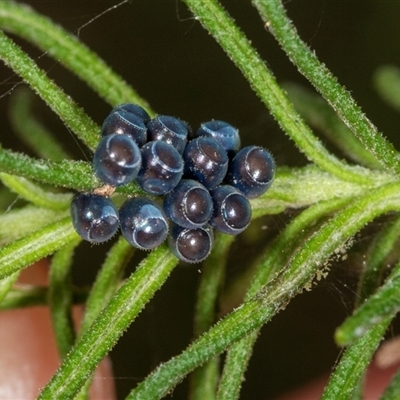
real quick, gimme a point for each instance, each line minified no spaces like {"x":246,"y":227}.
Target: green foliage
{"x":336,"y":200}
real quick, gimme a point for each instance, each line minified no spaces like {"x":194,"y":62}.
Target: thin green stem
{"x":107,"y":281}
{"x":317,"y":112}
{"x":25,"y":221}
{"x":69,"y":112}
{"x":381,"y":305}
{"x":37,"y":245}
{"x":275,"y":295}
{"x":60,"y":298}
{"x":274,"y":16}
{"x":28,"y":296}
{"x":122,"y":309}
{"x":203,"y":382}
{"x":70,"y":51}
{"x":344,"y":381}
{"x":275,"y":258}
{"x":374,"y":265}
{"x":301,"y":187}
{"x":35,"y":194}
{"x":77,"y":175}
{"x":6,"y":285}
{"x":219,"y":24}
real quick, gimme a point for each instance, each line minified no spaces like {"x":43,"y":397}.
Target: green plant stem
{"x":353,"y":364}
{"x":203,"y":381}
{"x":236,"y":45}
{"x":274,"y":259}
{"x":28,"y":296}
{"x":60,"y":298}
{"x":274,"y":296}
{"x":37,"y":245}
{"x":6,"y":285}
{"x":122,"y":309}
{"x":374,"y":265}
{"x":77,"y":175}
{"x":25,"y":221}
{"x":107,"y":281}
{"x":301,"y":187}
{"x":317,"y":112}
{"x":69,"y":112}
{"x":30,"y":130}
{"x":274,"y":16}
{"x":35,"y":194}
{"x":383,"y":304}
{"x":70,"y":51}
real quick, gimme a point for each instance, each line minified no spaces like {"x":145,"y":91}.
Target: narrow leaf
{"x":221,"y":26}
{"x":37,"y":245}
{"x":274,"y":16}
{"x":385,"y":303}
{"x":69,"y":112}
{"x":122,"y":309}
{"x":60,"y":298}
{"x":35,"y":194}
{"x":275,"y":295}
{"x":66,"y":48}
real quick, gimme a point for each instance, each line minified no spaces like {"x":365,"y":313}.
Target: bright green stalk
{"x":275,"y":258}
{"x":204,"y":379}
{"x":35,"y":194}
{"x":70,"y":51}
{"x":37,"y":245}
{"x":60,"y":298}
{"x":122,"y":309}
{"x":30,"y":130}
{"x":271,"y":298}
{"x":219,"y":24}
{"x":274,"y":16}
{"x":69,"y":112}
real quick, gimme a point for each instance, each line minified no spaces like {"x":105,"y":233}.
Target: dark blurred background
{"x":175,"y":64}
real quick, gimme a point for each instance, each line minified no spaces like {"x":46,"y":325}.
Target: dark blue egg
{"x":162,"y":168}
{"x":189,"y":204}
{"x":134,"y":109}
{"x":95,"y":218}
{"x":252,"y":171}
{"x":225,"y":134}
{"x":117,"y":159}
{"x":232,"y":210}
{"x":191,"y":245}
{"x":205,"y":161}
{"x":168,"y":129}
{"x":125,"y":123}
{"x":143,"y":223}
